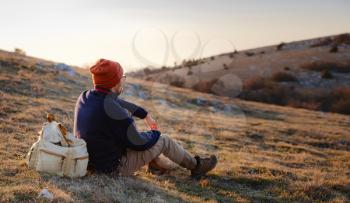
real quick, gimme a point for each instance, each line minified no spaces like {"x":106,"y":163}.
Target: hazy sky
{"x":158,"y":32}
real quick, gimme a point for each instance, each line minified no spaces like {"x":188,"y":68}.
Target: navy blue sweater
{"x":106,"y":123}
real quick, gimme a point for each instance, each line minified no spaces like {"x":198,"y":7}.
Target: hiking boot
{"x":203,"y":166}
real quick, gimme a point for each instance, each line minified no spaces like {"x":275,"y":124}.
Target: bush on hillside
{"x":335,"y":41}
{"x":280,"y":46}
{"x":283,"y":77}
{"x":191,"y":62}
{"x":20,"y":51}
{"x":264,"y":90}
{"x":249,"y":54}
{"x":177,"y":83}
{"x":256,"y":84}
{"x":334,"y":49}
{"x":341,"y":106}
{"x":204,"y":86}
{"x":342,"y":39}
{"x":326,"y":74}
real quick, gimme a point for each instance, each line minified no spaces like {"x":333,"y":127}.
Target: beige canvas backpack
{"x":58,"y":151}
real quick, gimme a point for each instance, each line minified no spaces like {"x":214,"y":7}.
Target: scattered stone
{"x":45,"y":193}
{"x":65,"y":68}
{"x":199,"y":101}
{"x":143,"y":95}
{"x":212,"y":109}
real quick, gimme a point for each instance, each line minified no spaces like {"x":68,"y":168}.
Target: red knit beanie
{"x":106,"y":74}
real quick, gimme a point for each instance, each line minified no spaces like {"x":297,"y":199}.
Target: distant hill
{"x":283,"y":74}
{"x":267,"y":153}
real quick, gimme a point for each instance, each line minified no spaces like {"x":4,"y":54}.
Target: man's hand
{"x":151,"y":122}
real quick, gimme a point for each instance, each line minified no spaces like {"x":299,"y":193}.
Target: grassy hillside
{"x":266,"y":153}
{"x":299,"y":74}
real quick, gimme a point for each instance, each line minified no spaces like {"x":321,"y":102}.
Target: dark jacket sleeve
{"x":141,"y":140}
{"x":134,"y":109}
{"x":133,"y":138}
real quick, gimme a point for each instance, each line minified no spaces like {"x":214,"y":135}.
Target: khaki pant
{"x":134,"y":160}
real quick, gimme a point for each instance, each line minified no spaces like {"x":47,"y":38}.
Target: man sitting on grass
{"x":114,"y":144}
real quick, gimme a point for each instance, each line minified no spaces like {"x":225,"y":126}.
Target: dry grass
{"x":266,"y":153}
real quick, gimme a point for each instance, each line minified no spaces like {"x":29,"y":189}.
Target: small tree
{"x":286,"y":68}
{"x":177,"y":83}
{"x":326,"y":74}
{"x":280,"y":46}
{"x":334,"y":49}
{"x":283,"y":77}
{"x":249,"y":54}
{"x":20,"y":51}
{"x":147,"y":71}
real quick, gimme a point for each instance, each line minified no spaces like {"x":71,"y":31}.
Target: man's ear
{"x":114,"y":88}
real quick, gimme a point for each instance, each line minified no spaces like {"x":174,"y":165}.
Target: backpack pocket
{"x":81,"y":165}
{"x":75,"y":167}
{"x":50,"y":162}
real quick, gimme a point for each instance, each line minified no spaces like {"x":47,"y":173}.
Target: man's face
{"x":118,"y":89}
